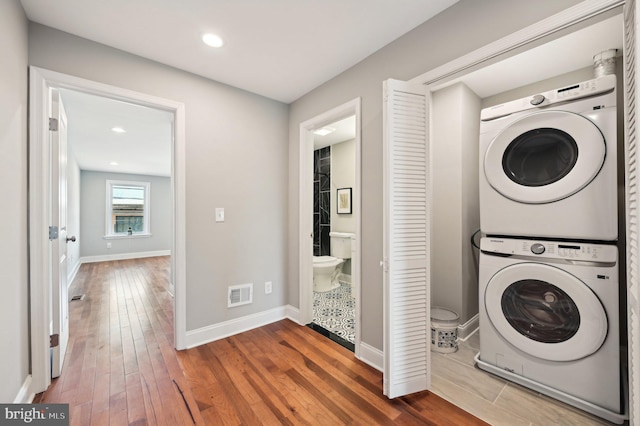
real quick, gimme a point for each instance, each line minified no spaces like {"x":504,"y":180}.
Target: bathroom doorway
{"x":330,"y":215}
{"x":334,"y":227}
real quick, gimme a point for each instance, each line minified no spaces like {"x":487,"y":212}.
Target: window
{"x":127,"y":208}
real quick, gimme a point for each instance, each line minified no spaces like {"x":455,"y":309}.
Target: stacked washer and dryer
{"x":548,"y":280}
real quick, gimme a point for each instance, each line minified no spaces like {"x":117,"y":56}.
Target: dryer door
{"x":545,"y":312}
{"x":545,"y":157}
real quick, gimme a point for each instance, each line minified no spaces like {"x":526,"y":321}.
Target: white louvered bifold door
{"x":407,"y":328}
{"x":631,"y":172}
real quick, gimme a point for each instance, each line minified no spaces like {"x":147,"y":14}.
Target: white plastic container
{"x":444,"y":330}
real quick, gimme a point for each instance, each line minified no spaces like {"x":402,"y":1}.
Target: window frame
{"x":146,"y":232}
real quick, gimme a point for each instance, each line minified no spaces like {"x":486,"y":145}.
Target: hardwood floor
{"x":121,"y":367}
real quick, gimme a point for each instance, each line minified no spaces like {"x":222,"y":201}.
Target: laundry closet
{"x":457,"y":162}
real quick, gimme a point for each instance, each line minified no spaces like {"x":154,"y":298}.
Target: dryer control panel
{"x":569,"y":93}
{"x":573,"y":251}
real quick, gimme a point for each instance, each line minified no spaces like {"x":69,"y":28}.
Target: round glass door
{"x":545,"y":312}
{"x":545,"y":157}
{"x":540,"y":311}
{"x":540,"y":157}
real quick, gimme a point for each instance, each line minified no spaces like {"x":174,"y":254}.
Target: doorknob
{"x":72,"y":239}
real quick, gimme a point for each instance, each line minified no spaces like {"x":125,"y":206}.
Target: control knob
{"x":537,"y":248}
{"x":537,"y":100}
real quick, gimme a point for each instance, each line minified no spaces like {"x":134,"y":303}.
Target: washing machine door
{"x":545,"y":157}
{"x":545,"y":312}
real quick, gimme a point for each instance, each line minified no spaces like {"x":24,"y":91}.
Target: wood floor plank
{"x":121,"y":368}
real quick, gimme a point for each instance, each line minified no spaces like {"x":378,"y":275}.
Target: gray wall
{"x":455,"y":211}
{"x":343,"y":175}
{"x":14,"y":327}
{"x":466,"y":26}
{"x":93,"y":189}
{"x":236,"y":156}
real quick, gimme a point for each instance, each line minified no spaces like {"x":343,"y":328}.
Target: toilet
{"x":327,"y":269}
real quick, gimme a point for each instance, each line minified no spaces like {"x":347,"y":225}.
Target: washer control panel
{"x":573,"y":92}
{"x":550,"y":249}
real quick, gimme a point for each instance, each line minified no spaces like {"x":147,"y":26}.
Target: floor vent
{"x":240,"y":295}
{"x":77,"y":297}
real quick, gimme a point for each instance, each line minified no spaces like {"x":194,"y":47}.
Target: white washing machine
{"x":549,"y":320}
{"x":548,"y":164}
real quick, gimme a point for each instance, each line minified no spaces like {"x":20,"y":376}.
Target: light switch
{"x":219,"y":214}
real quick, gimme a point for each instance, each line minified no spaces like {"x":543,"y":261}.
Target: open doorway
{"x":334,"y":230}
{"x":119,"y":179}
{"x":42,"y":84}
{"x":330,"y":224}
{"x":455,"y":375}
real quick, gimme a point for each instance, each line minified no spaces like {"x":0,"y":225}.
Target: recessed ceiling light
{"x":324,"y":131}
{"x":118,"y":130}
{"x":114,"y":163}
{"x":212,"y":40}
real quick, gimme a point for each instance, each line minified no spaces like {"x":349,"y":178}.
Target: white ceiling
{"x":280,"y":49}
{"x":145,"y":147}
{"x":343,"y":130}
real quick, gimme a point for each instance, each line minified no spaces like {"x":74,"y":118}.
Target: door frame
{"x":40,"y":83}
{"x":305,"y":231}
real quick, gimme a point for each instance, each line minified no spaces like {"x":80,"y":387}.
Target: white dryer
{"x":549,"y":320}
{"x":548,"y":164}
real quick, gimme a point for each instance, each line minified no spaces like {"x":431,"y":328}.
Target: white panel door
{"x":59,"y":292}
{"x":407,"y":356}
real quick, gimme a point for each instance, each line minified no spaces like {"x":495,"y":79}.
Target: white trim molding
{"x":305,"y":209}
{"x":371,"y":356}
{"x":25,"y":395}
{"x":468,"y":328}
{"x":40,"y":83}
{"x":568,"y":17}
{"x":235,"y":326}
{"x":124,"y":256}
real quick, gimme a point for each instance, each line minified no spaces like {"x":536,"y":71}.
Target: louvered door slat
{"x":407,"y":297}
{"x":633,"y":244}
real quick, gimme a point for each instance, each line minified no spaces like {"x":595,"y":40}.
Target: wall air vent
{"x":240,"y":295}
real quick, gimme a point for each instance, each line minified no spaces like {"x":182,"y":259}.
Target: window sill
{"x":126,"y":236}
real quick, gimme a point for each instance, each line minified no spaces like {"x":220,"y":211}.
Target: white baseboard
{"x":293,"y":314}
{"x":371,"y":356}
{"x":124,"y":256}
{"x":468,"y":328}
{"x":221,"y":330}
{"x":25,"y":396}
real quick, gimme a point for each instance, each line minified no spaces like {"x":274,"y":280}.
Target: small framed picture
{"x":344,"y":201}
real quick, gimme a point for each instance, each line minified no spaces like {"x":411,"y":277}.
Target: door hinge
{"x":53,"y":233}
{"x":53,"y":124}
{"x":54,"y":340}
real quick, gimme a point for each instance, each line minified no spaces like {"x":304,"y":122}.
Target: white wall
{"x":93,"y":188}
{"x":14,"y":302}
{"x":466,"y":26}
{"x":343,"y":175}
{"x":456,"y":216}
{"x":236,"y":158}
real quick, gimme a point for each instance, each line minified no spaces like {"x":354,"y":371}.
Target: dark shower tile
{"x":316,"y":197}
{"x":325,"y":208}
{"x":325,"y":247}
{"x":324,"y":152}
{"x":316,"y":228}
